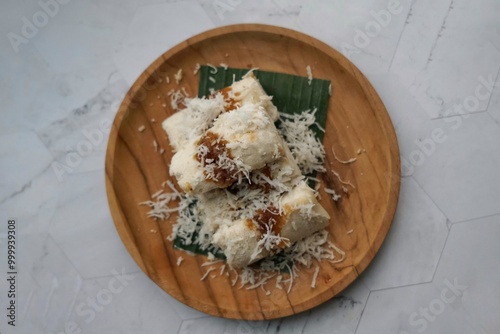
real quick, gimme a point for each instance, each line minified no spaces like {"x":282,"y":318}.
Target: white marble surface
{"x":435,"y":65}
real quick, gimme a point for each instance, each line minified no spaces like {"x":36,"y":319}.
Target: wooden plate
{"x":357,"y":120}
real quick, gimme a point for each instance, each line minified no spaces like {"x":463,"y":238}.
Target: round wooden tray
{"x":357,"y":119}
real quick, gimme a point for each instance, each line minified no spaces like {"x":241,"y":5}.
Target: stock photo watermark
{"x":89,"y":309}
{"x":372,"y":28}
{"x":221,"y":7}
{"x":453,"y":116}
{"x":97,"y":136}
{"x":427,"y":314}
{"x":31,"y":26}
{"x":73,"y":159}
{"x":11,"y":272}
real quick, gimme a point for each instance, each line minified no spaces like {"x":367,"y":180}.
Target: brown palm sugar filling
{"x":231,"y":103}
{"x":222,"y":176}
{"x":269,"y":219}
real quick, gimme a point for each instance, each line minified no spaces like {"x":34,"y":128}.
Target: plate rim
{"x":394,"y":190}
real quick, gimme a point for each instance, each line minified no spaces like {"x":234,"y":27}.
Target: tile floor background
{"x":434,"y":63}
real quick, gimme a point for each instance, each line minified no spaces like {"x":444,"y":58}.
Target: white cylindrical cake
{"x":244,"y":241}
{"x":239,"y":142}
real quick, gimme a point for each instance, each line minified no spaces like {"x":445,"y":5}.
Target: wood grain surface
{"x":357,"y":119}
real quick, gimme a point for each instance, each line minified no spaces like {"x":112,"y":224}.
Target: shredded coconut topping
{"x":334,"y":194}
{"x":196,"y":68}
{"x":343,"y":161}
{"x":306,"y":148}
{"x":178,"y":98}
{"x":213,"y":69}
{"x":178,"y":76}
{"x":200,"y":217}
{"x":309,"y":74}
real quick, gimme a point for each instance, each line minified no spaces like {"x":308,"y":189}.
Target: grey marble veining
{"x":154,"y":29}
{"x":461,"y":298}
{"x":440,"y":57}
{"x":353,"y":29}
{"x":460,"y":173}
{"x":78,"y":141}
{"x":412,"y":248}
{"x":435,"y":65}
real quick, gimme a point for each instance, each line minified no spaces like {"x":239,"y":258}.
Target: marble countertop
{"x":64,"y":68}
